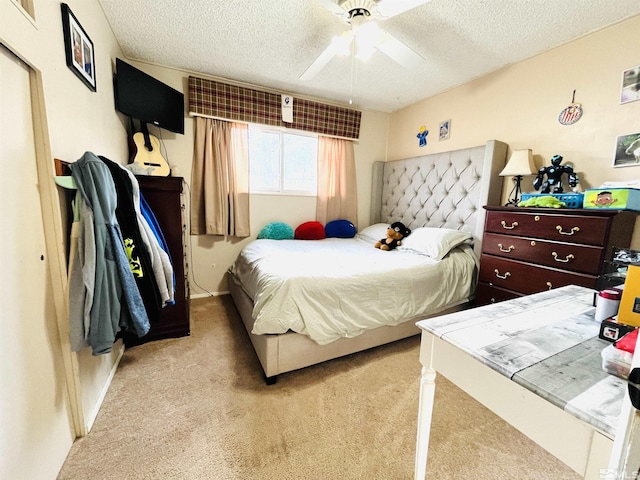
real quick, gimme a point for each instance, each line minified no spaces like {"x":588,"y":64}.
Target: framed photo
{"x":78,"y":48}
{"x":627,"y":151}
{"x":630,"y":90}
{"x":444,"y":130}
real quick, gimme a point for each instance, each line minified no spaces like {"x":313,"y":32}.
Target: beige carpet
{"x":198,"y":408}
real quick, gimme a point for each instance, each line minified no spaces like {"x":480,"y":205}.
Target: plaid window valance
{"x":232,"y":102}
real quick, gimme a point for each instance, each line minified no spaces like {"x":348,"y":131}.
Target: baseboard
{"x":208,"y":294}
{"x":103,"y":392}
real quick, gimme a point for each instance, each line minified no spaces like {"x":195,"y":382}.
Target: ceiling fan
{"x":364,"y":36}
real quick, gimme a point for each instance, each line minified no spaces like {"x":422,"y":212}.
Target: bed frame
{"x":446,"y":190}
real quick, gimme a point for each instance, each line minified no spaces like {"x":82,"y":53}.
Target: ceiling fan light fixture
{"x":342,"y":44}
{"x":368,"y":34}
{"x":365,"y":53}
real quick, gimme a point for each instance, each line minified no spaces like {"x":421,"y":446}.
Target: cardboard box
{"x":629,"y":311}
{"x":612,"y":198}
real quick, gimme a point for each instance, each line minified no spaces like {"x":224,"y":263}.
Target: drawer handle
{"x":503,"y":277}
{"x":566,"y":259}
{"x":549,"y":285}
{"x":513,"y":225}
{"x":573,"y":230}
{"x":505,"y":250}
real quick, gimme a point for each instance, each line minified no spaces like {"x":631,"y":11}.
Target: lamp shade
{"x":520,"y":163}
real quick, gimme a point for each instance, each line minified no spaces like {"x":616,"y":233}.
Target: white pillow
{"x":374,"y":232}
{"x":434,"y":242}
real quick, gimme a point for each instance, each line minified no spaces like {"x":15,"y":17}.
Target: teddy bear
{"x":395,"y":233}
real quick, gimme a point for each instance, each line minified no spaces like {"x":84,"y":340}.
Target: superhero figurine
{"x":553,"y":183}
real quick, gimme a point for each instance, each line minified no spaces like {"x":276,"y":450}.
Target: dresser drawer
{"x":486,"y":294}
{"x":528,"y":278}
{"x":563,"y":228}
{"x":567,"y":256}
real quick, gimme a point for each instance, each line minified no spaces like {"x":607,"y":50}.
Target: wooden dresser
{"x":528,"y":250}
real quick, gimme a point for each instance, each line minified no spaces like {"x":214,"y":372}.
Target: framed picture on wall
{"x":630,"y":90}
{"x":627,"y":151}
{"x":444,"y":130}
{"x":78,"y":48}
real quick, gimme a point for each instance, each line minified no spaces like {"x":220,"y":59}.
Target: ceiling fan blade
{"x":319,"y":63}
{"x":391,"y":8}
{"x":398,"y":51}
{"x":334,"y":8}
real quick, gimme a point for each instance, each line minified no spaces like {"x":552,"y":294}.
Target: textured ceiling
{"x":271,"y":43}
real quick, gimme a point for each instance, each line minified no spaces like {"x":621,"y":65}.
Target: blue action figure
{"x":422,"y":136}
{"x":554,"y":173}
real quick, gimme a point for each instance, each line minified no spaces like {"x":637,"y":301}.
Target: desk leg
{"x":425,"y":413}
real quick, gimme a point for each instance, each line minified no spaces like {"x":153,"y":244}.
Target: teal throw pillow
{"x":276,"y":231}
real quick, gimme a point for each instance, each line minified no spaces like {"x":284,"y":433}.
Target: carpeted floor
{"x":198,"y":408}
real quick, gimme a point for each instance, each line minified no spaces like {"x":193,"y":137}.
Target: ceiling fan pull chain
{"x":354,"y":66}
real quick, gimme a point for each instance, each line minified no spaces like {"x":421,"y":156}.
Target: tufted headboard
{"x":445,"y":189}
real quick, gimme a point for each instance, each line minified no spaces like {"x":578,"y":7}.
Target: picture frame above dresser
{"x":529,"y":250}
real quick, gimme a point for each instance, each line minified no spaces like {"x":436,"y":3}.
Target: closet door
{"x":35,"y":435}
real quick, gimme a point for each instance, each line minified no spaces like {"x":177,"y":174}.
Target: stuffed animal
{"x":395,"y":233}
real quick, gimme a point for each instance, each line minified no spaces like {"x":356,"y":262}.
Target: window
{"x":282,"y":162}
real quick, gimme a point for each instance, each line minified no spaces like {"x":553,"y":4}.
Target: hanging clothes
{"x":156,"y":232}
{"x":135,"y":248}
{"x":81,"y":273}
{"x":160,"y":258}
{"x":115,"y":300}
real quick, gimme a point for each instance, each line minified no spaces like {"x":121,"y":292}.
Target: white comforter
{"x":333,"y":288}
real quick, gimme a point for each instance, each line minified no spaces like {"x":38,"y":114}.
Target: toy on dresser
{"x":554,"y":173}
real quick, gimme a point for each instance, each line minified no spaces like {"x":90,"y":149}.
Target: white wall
{"x":78,"y":120}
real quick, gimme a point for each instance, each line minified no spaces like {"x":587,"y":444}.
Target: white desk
{"x":534,"y":361}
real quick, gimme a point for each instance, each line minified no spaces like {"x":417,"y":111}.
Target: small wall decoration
{"x":422,"y":136}
{"x":445,"y":128}
{"x":78,"y":48}
{"x":630,"y":91}
{"x":627,"y":151}
{"x":572,"y":113}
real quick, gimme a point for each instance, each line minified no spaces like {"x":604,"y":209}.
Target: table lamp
{"x":520,"y":164}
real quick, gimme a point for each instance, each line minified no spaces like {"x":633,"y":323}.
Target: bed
{"x":304,"y":302}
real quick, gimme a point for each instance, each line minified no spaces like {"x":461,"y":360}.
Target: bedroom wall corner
{"x":520,"y":105}
{"x":371,"y":148}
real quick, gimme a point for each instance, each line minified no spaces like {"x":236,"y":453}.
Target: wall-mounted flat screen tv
{"x":140,"y":96}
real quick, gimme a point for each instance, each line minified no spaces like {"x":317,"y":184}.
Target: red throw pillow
{"x":310,"y":231}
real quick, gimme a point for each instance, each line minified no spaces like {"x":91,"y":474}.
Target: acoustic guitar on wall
{"x":147,"y":155}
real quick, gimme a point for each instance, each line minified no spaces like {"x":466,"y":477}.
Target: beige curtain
{"x":220,"y":179}
{"x":337,"y":194}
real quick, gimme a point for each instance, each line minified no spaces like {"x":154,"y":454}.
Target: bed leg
{"x":271,"y":380}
